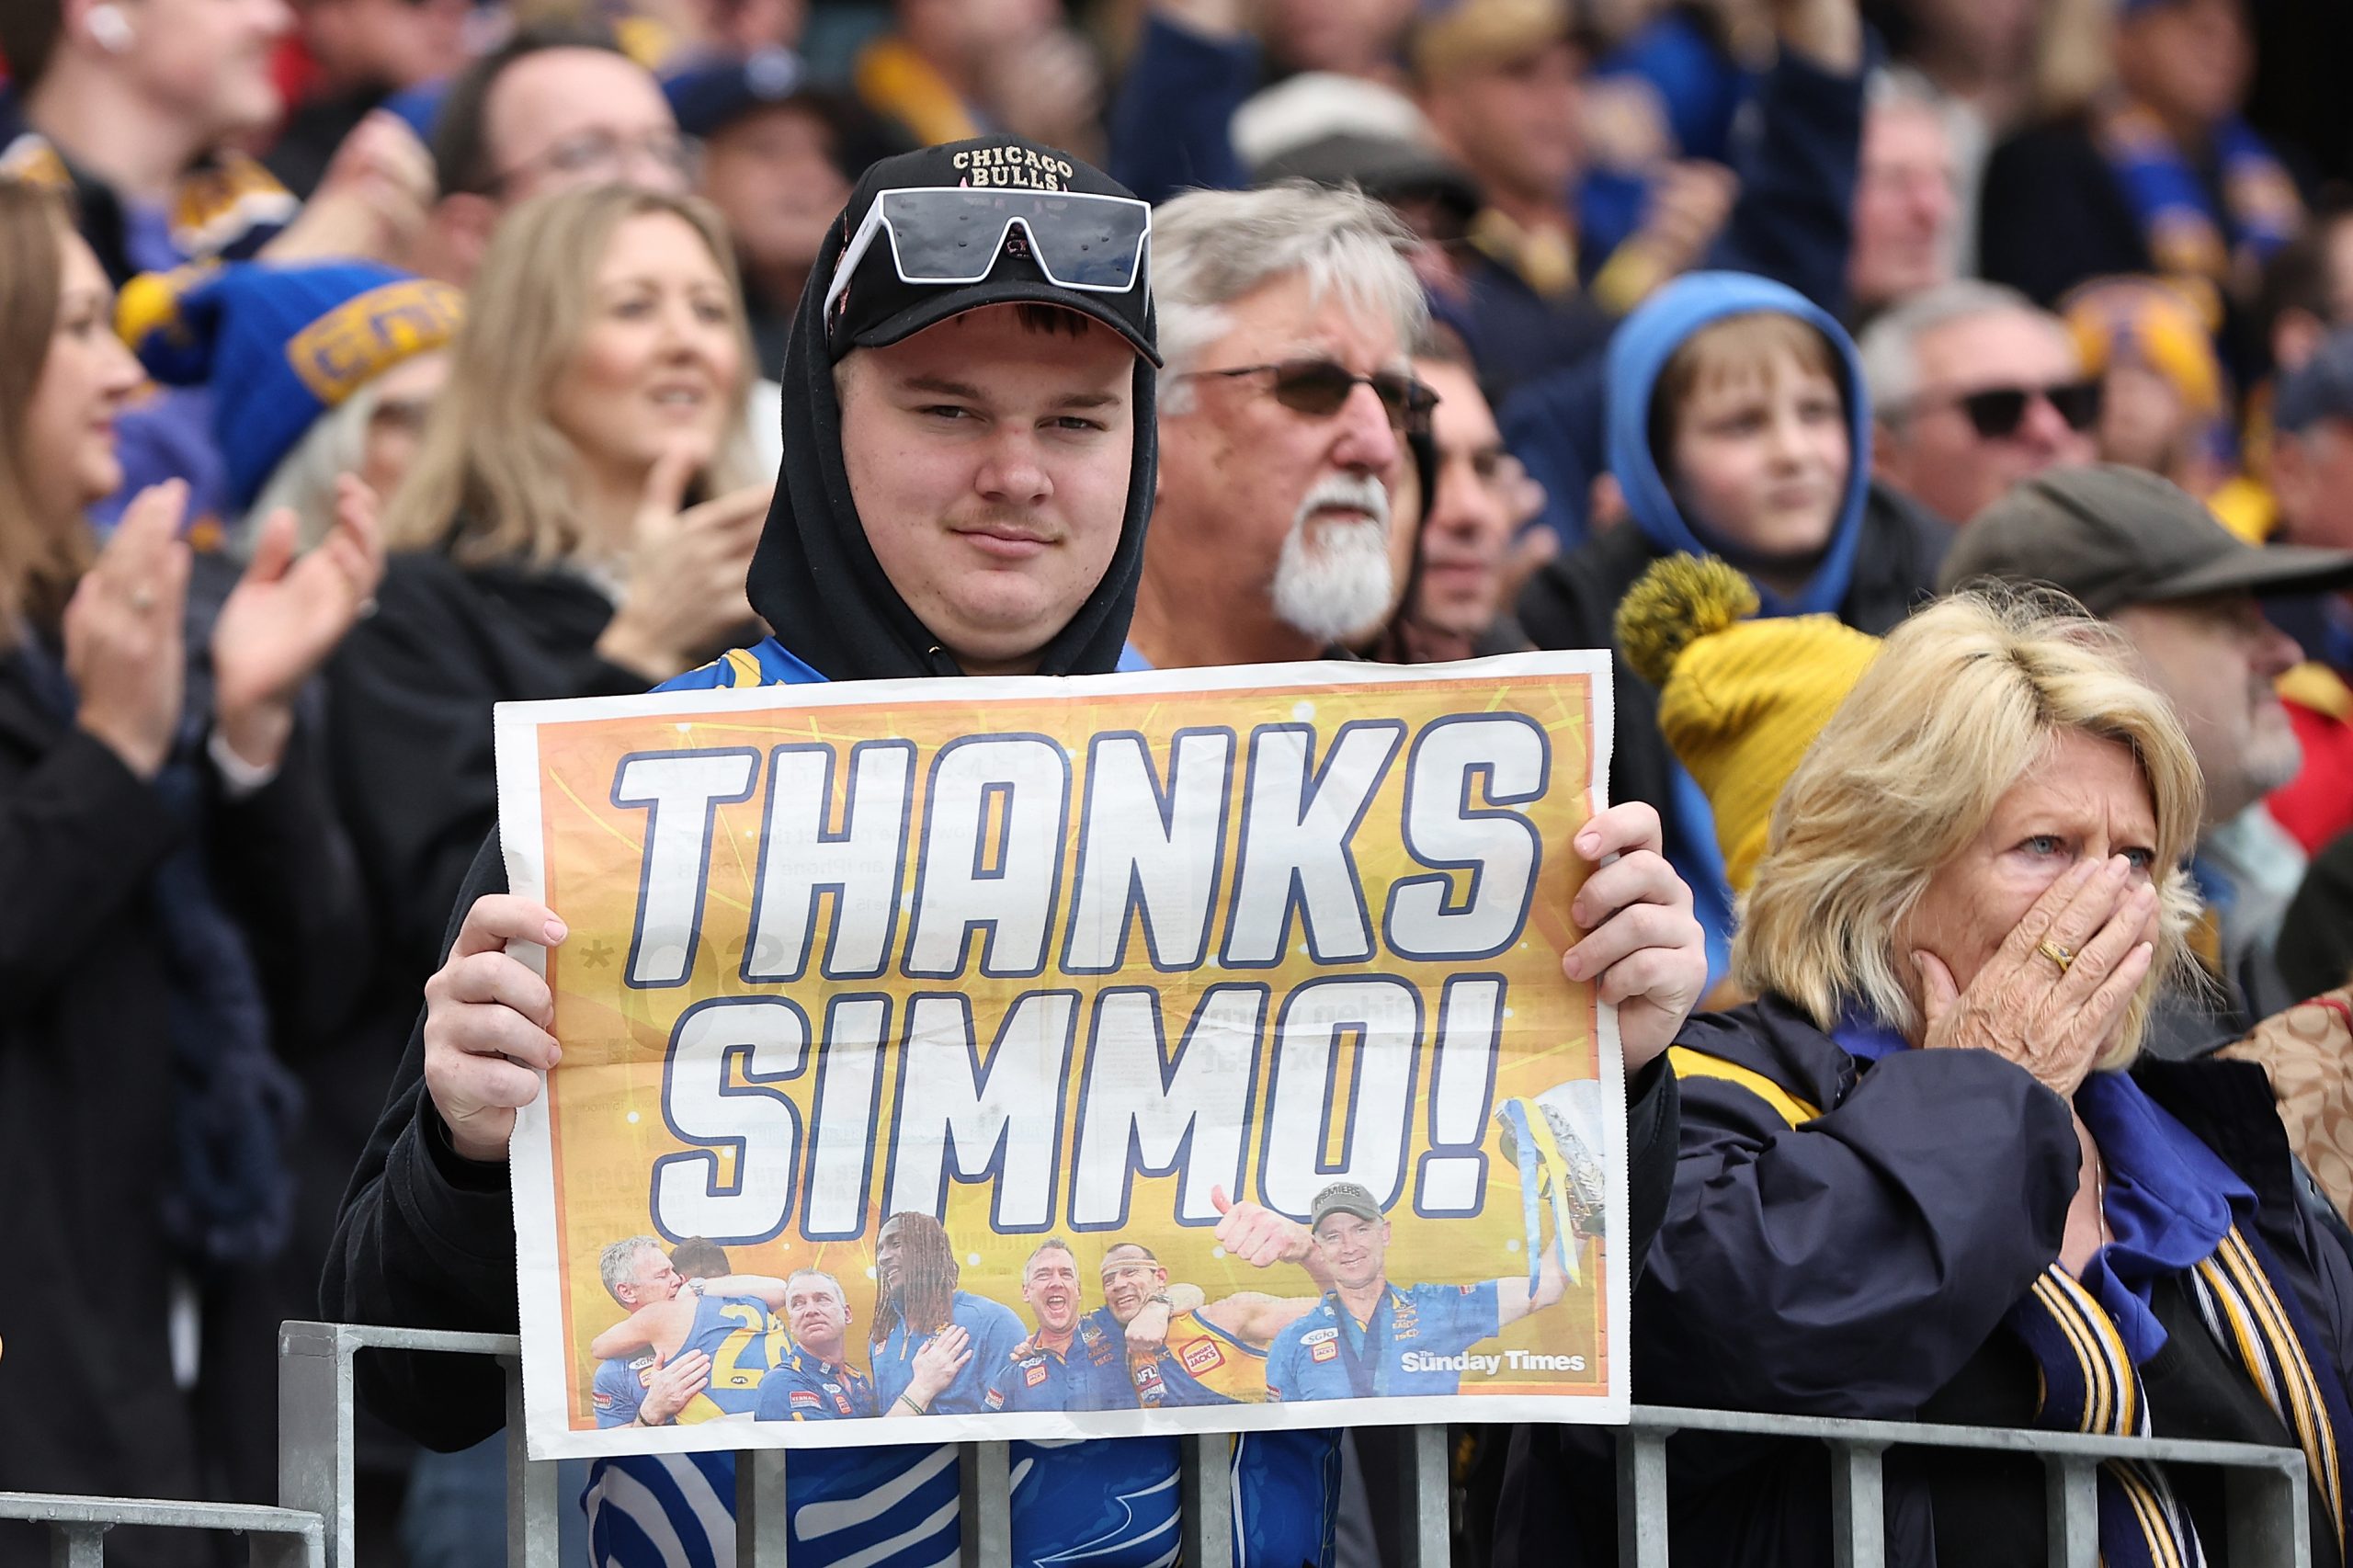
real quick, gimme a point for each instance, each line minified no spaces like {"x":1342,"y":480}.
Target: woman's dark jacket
{"x":1846,"y":1239}
{"x":86,"y":1097}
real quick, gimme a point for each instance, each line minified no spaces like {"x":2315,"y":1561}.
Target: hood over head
{"x":815,"y":578}
{"x":1639,"y":352}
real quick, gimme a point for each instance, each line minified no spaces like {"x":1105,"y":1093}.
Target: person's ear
{"x":104,"y":23}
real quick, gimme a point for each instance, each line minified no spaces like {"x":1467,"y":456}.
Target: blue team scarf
{"x":234,"y":1104}
{"x":2175,"y":1209}
{"x":2187,"y":236}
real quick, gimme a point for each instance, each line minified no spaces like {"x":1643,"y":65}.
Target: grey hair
{"x":1890,"y":346}
{"x":800,"y":1274}
{"x":1212,"y":247}
{"x":304,"y":480}
{"x":613,"y":1263}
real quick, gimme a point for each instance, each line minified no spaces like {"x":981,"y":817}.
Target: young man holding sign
{"x":969,"y":468}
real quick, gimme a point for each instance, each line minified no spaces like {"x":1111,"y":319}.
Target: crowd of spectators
{"x":366,"y":363}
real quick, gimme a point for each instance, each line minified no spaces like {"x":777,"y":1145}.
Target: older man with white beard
{"x":1286,"y":315}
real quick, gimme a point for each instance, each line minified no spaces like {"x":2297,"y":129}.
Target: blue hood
{"x":1641,"y":348}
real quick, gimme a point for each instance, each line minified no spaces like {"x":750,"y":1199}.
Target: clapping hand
{"x":284,"y":616}
{"x":123,"y":630}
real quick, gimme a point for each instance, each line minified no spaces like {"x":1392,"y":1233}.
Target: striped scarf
{"x":2188,"y":239}
{"x":2090,"y":1385}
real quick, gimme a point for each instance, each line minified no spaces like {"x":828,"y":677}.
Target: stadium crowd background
{"x":2039,"y":234}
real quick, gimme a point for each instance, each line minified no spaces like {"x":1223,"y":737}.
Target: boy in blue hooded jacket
{"x":1738,"y":427}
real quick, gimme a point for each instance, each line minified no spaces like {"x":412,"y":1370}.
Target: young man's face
{"x":1760,"y":458}
{"x":772,"y":175}
{"x":208,"y":60}
{"x":1467,"y":530}
{"x":989,"y":461}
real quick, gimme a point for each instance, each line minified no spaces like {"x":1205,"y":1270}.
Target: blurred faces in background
{"x":1908,"y":202}
{"x":2163,"y":398}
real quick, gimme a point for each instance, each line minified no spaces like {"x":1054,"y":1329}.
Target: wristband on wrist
{"x":909,"y":1400}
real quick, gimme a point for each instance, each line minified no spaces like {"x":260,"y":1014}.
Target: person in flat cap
{"x":2188,"y":596}
{"x":2312,"y":487}
{"x":1370,"y":1338}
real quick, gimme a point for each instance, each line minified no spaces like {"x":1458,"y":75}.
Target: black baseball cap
{"x":2113,"y":537}
{"x":878,"y":307}
{"x":1343,"y":1198}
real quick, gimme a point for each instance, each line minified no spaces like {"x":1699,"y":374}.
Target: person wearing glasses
{"x":1975,"y":387}
{"x":969,"y":464}
{"x":1288,"y":313}
{"x":1738,"y":427}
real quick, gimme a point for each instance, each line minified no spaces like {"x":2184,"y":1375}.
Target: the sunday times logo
{"x":1488,"y":1365}
{"x":1020,"y":168}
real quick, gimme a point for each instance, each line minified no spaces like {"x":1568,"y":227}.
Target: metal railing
{"x":316,"y":1525}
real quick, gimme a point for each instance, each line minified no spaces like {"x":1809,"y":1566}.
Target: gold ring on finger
{"x":2056,"y":954}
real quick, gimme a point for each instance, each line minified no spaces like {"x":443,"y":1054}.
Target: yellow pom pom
{"x":1679,"y":600}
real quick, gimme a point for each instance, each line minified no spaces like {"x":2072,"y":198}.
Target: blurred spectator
{"x":553,"y":108}
{"x":1907,"y":202}
{"x":576,"y":523}
{"x":2311,"y":485}
{"x":1738,"y":427}
{"x":2317,"y":938}
{"x":2184,"y":594}
{"x":1969,"y":896}
{"x":1974,"y":389}
{"x":176,"y":890}
{"x":363,"y":51}
{"x":2161,"y":177}
{"x":1286,"y":316}
{"x":2308,"y":288}
{"x":2163,"y":398}
{"x":1458,"y":593}
{"x":318,"y":370}
{"x":780,"y":155}
{"x":951,"y":69}
{"x":137,"y":110}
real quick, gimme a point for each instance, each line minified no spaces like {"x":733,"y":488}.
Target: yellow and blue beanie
{"x":279,"y":346}
{"x":1739,"y":700}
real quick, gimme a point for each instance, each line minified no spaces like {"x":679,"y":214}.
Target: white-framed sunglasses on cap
{"x":945,"y":235}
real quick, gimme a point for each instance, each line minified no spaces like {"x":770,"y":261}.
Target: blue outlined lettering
{"x":803,"y":859}
{"x":680,"y":792}
{"x":998,"y":1122}
{"x":1294,"y":853}
{"x":1142,"y":1112}
{"x":1166,"y":875}
{"x":1506,"y":758}
{"x":1383,"y":1016}
{"x":719,"y":1092}
{"x":1006,"y":890}
{"x":849,"y":1098}
{"x":1451,"y":1178}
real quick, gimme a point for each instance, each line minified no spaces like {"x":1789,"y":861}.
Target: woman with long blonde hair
{"x":556,"y":534}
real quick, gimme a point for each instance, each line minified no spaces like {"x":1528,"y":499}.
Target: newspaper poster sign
{"x":1157,"y":1052}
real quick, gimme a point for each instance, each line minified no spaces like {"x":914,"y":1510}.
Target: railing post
{"x":77,"y":1546}
{"x":1205,"y":1494}
{"x":1430,"y":1483}
{"x":985,"y":1523}
{"x":2268,"y":1524}
{"x":1641,"y":1498}
{"x":2072,"y":1509}
{"x":763,"y":1522}
{"x":1857,"y":1506}
{"x":530,"y":1488}
{"x":314,"y":1436}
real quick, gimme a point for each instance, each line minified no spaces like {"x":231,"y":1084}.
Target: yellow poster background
{"x":605,"y":1103}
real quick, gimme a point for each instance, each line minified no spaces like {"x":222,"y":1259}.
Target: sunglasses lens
{"x":2078,"y":404}
{"x":1408,"y":401}
{"x":1313,"y":386}
{"x":1996,"y":414}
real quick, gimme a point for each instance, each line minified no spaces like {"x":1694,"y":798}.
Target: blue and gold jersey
{"x":1413,"y":1332}
{"x":1202,"y":1364}
{"x":1091,"y":1375}
{"x":744,"y":1340}
{"x":805,"y":1387}
{"x":619,"y":1389}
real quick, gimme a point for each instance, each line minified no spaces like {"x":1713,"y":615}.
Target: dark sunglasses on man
{"x":1320,"y":388}
{"x":1995,"y":412}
